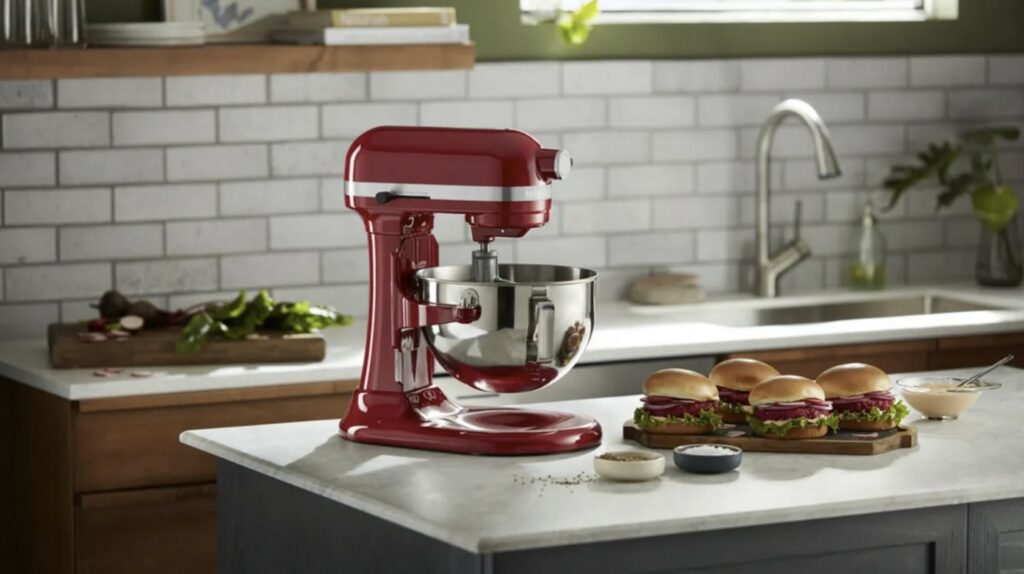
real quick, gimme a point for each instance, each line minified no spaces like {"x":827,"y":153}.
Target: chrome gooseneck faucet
{"x":771,"y":267}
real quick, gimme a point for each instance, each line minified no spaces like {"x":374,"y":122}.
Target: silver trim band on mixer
{"x":449,"y":192}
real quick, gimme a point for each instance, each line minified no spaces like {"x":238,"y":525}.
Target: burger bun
{"x":852,"y":379}
{"x":785,"y":389}
{"x":680,"y":384}
{"x":866,"y":425}
{"x":741,"y":374}
{"x":815,"y":431}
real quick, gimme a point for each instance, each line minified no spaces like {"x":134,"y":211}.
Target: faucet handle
{"x":798,"y":220}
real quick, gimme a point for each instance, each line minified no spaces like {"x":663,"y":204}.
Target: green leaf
{"x":575,"y":27}
{"x":994,"y":206}
{"x":988,"y":136}
{"x":896,"y":413}
{"x":760,"y":427}
{"x":644,"y":419}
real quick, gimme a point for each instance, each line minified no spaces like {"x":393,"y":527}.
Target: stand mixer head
{"x":504,"y":328}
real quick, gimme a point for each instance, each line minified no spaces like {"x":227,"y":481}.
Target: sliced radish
{"x":132,"y":322}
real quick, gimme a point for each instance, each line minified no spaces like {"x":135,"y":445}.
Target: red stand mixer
{"x":499,"y":328}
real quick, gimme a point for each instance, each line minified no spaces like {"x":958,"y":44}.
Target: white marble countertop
{"x":476,"y":503}
{"x":623,"y":332}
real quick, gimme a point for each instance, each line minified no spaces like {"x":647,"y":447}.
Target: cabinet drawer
{"x":154,"y":530}
{"x":894,"y":357}
{"x":964,"y":352}
{"x":138,"y":447}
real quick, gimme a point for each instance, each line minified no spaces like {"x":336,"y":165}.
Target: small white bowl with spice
{"x":629,"y":465}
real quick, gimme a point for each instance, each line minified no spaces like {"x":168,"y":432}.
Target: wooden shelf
{"x":229,"y":59}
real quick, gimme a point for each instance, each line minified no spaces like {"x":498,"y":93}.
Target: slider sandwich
{"x":790,"y":407}
{"x":678,"y":401}
{"x":735,"y":378}
{"x":862,"y":398}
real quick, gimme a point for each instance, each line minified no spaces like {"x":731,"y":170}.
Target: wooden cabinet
{"x":897,"y":356}
{"x":997,"y":534}
{"x":104,"y":485}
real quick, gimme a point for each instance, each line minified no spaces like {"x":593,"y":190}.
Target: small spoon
{"x":994,"y":366}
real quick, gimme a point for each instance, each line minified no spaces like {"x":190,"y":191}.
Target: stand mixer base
{"x":439,"y":424}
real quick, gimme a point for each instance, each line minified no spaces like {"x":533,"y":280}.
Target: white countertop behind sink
{"x":488,"y":504}
{"x":623,"y":333}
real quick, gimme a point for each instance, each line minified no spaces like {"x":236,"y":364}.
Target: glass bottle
{"x":868,"y":271}
{"x":1000,"y":261}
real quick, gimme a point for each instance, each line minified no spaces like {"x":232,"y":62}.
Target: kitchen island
{"x":297,"y":497}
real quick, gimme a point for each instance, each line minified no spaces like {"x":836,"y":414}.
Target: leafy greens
{"x":238,"y":319}
{"x":894,"y":414}
{"x":760,"y":427}
{"x":644,"y":419}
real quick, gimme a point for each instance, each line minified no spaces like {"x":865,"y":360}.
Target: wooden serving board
{"x":157,"y":347}
{"x":839,"y":443}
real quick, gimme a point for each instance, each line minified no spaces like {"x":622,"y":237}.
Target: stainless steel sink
{"x":747,"y":315}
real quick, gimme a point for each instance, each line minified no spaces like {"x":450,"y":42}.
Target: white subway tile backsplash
{"x":268,"y":123}
{"x":417,"y":85}
{"x":697,"y":76}
{"x":56,"y":130}
{"x":947,"y":70}
{"x":164,"y":127}
{"x":733,"y":176}
{"x":54,"y":282}
{"x":269,"y":270}
{"x":650,"y":180}
{"x":848,"y":206}
{"x":652,"y":112}
{"x":808,"y":276}
{"x":332,"y":194}
{"x":694,"y":145}
{"x":308,"y":158}
{"x":315,"y":231}
{"x":215,"y":90}
{"x":608,"y":77}
{"x":295,"y":88}
{"x":27,"y":245}
{"x":718,"y":110}
{"x":849,"y":140}
{"x":217,"y":162}
{"x":108,"y":242}
{"x":986,"y":104}
{"x":651,"y":249}
{"x":578,"y":251}
{"x":110,"y":93}
{"x":165,"y":202}
{"x":26,"y":321}
{"x":834,"y":107}
{"x":906,"y":105}
{"x":963,"y":231}
{"x":783,"y":208}
{"x":165,"y":276}
{"x":799,"y":174}
{"x":832,"y":238}
{"x":736,"y":244}
{"x":583,"y":183}
{"x":515,"y":80}
{"x":940,"y":266}
{"x":56,"y":206}
{"x":561,"y":114}
{"x":111,"y":166}
{"x":866,"y":72}
{"x":269,"y":197}
{"x":27,"y":169}
{"x":26,"y":94}
{"x":779,"y":74}
{"x":346,"y":265}
{"x":1002,"y":70}
{"x":593,"y":148}
{"x":216,"y":236}
{"x":350,"y":120}
{"x":696,"y":212}
{"x":607,"y":216}
{"x":496,"y":114}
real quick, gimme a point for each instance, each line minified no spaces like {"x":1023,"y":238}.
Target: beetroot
{"x":734,"y":397}
{"x":666,"y":406}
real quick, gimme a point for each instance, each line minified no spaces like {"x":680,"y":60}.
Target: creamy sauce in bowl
{"x":939,"y":398}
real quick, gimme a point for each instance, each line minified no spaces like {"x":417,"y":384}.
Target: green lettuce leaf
{"x":644,"y":419}
{"x":831,"y":421}
{"x":896,"y":413}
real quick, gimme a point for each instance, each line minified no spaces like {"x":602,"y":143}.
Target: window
{"x":668,"y":11}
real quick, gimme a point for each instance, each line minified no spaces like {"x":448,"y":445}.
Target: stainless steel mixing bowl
{"x":535,"y":322}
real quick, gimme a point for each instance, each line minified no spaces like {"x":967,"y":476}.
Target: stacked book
{"x":372,"y":26}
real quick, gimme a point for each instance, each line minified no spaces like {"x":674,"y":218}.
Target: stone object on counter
{"x":667,"y":289}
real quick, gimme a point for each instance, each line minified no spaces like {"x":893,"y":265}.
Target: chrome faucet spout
{"x":769,"y":267}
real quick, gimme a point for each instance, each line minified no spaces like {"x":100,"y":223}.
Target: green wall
{"x":984,"y":26}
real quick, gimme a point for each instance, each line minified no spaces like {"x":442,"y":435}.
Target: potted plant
{"x":969,"y":166}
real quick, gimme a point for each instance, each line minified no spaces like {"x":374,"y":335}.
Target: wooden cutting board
{"x":156,"y":347}
{"x":843,"y":442}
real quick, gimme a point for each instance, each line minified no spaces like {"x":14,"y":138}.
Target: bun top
{"x":785,"y":389}
{"x":741,"y":374}
{"x":680,"y":384}
{"x":853,"y":379}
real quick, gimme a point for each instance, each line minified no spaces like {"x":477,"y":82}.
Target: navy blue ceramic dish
{"x":707,"y":458}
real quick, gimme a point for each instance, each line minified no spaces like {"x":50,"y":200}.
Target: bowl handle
{"x":540,"y":334}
